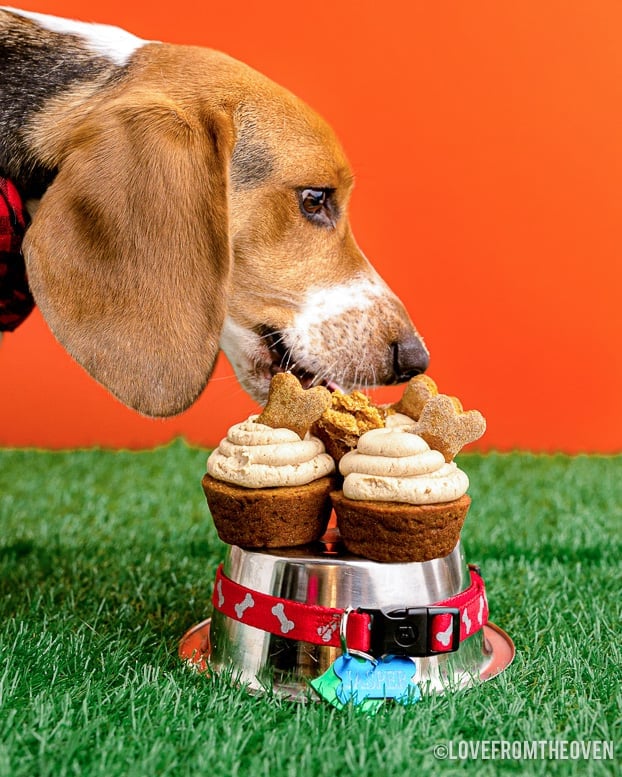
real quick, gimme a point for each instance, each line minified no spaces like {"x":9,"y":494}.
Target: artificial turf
{"x":106,"y":558}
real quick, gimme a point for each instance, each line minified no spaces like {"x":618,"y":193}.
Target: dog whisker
{"x":329,"y":374}
{"x":220,"y":378}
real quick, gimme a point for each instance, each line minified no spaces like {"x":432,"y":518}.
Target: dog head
{"x":198,"y":205}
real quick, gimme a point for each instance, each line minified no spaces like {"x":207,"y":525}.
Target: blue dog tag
{"x":326,"y":686}
{"x":391,"y":677}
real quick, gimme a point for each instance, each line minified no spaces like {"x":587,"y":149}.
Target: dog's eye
{"x":315,"y":205}
{"x":313,"y":200}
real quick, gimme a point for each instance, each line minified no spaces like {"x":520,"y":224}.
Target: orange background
{"x":486,"y":138}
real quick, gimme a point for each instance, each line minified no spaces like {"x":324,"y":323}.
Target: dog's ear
{"x":128,"y":255}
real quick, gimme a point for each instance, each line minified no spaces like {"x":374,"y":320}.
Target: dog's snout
{"x":410,"y":357}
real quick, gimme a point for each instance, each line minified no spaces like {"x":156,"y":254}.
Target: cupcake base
{"x":399,"y":533}
{"x":269,"y":517}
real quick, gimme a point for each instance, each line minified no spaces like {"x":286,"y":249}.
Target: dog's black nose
{"x":410,"y":358}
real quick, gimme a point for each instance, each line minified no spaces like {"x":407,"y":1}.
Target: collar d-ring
{"x":343,"y":627}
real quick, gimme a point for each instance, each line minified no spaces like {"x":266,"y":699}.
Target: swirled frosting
{"x":394,"y":465}
{"x":254,"y":455}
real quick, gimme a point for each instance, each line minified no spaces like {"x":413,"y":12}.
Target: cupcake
{"x":268,"y":484}
{"x":404,"y":498}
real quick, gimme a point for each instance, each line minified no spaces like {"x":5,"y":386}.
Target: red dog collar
{"x":16,"y":301}
{"x":411,"y":631}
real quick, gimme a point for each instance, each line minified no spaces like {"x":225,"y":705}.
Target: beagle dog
{"x":181,"y":203}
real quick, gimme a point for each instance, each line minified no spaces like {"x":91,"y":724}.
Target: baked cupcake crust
{"x":397,"y":532}
{"x":343,"y":423}
{"x":269,"y":517}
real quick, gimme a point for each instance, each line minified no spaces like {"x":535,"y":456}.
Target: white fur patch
{"x":115,"y":44}
{"x":322,"y":304}
{"x":237,"y":342}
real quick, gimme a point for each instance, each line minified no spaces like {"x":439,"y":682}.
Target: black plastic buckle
{"x":406,"y":631}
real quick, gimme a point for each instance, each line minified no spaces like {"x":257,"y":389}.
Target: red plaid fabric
{"x":16,"y":301}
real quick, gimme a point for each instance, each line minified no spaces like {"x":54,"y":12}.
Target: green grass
{"x":106,"y":558}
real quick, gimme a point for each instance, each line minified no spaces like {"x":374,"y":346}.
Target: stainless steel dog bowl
{"x":264,"y":661}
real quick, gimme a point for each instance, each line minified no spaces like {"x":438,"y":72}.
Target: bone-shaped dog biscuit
{"x":419,"y":390}
{"x":290,"y":406}
{"x":446,"y":427}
